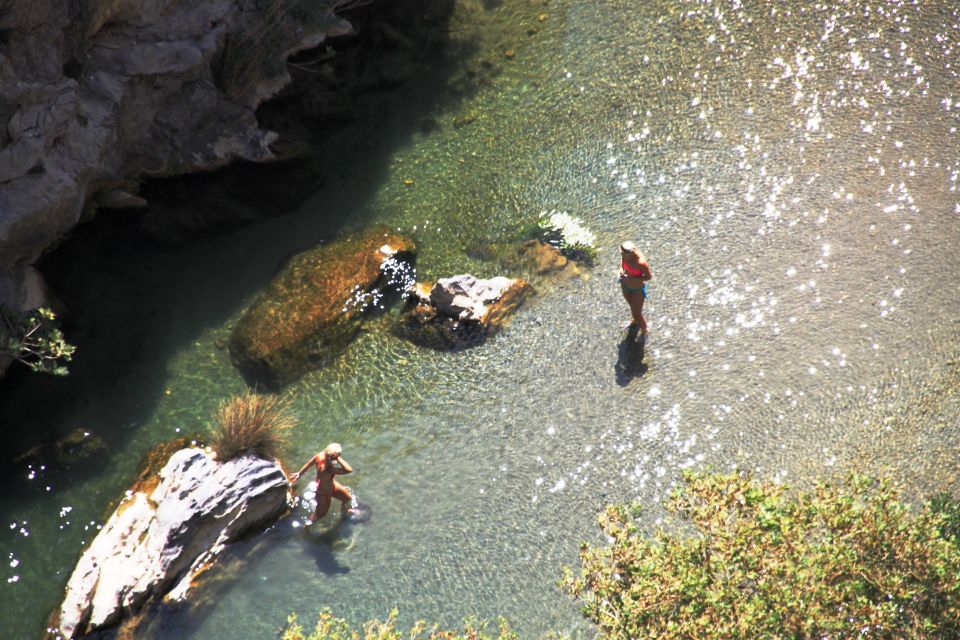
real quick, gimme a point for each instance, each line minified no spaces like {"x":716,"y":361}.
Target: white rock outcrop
{"x":155,"y":543}
{"x":465,"y":297}
{"x":461,"y":311}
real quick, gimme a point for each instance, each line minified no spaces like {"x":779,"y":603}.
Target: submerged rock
{"x":164,"y":533}
{"x":459,"y":312}
{"x":76,"y":447}
{"x":538,"y":258}
{"x":541,"y":263}
{"x":311,"y":311}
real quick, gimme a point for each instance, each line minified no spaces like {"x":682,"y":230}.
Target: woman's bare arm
{"x":344,"y":466}
{"x":309,"y":464}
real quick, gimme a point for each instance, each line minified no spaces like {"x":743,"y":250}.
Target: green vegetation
{"x":756,"y":561}
{"x":34,"y":339}
{"x":841,"y":561}
{"x":331,"y":628}
{"x":251,"y":422}
{"x":949,"y":508}
{"x":256,"y":52}
{"x":566,"y":233}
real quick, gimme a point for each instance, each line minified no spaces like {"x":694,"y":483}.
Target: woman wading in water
{"x":634,"y":275}
{"x":329,"y":463}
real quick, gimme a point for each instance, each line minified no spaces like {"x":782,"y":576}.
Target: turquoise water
{"x":792,"y":177}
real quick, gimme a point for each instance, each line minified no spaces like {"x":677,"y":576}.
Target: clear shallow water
{"x":792,"y":177}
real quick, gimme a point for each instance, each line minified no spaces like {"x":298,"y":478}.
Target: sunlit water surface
{"x":792,"y":177}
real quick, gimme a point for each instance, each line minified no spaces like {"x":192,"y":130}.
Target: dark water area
{"x":792,"y":175}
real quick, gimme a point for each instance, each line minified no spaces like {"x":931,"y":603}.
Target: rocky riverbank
{"x":98,"y":97}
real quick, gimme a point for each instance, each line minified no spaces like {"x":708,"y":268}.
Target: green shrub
{"x":566,"y":233}
{"x":839,"y":562}
{"x":949,"y":508}
{"x":34,"y":339}
{"x":251,"y":422}
{"x":257,"y":51}
{"x":254,"y":53}
{"x":330,"y":628}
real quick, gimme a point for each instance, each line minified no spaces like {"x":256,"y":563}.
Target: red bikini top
{"x":636,"y":273}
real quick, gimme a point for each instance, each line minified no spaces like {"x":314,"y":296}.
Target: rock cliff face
{"x":96,"y":94}
{"x":164,"y":532}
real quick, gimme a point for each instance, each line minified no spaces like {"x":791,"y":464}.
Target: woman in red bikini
{"x":327,"y":485}
{"x":634,"y":275}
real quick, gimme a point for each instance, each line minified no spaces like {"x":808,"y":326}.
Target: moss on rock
{"x":312,"y":309}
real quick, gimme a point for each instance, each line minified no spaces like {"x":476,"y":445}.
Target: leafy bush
{"x":949,"y":508}
{"x":34,"y":339}
{"x":839,"y":562}
{"x":565,"y":232}
{"x":251,"y":422}
{"x":331,"y":628}
{"x":255,"y":53}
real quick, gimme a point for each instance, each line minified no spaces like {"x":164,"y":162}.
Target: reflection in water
{"x":792,"y":172}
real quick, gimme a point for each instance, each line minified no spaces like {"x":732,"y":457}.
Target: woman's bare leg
{"x":323,"y":505}
{"x":629,"y":297}
{"x":636,"y":301}
{"x":344,"y":495}
{"x":642,"y":321}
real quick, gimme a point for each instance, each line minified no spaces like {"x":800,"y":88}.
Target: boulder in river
{"x":539,"y":259}
{"x":164,"y":532}
{"x":312,"y":309}
{"x":461,"y":311}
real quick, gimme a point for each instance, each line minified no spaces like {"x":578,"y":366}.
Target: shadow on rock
{"x":630,"y":353}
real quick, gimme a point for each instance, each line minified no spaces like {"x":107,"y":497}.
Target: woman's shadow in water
{"x":630,"y":354}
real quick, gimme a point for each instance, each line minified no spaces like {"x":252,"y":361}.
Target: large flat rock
{"x":165,"y":531}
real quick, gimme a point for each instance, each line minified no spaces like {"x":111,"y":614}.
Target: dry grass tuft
{"x":251,"y":422}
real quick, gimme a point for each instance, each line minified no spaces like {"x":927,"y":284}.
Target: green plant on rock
{"x":329,"y":627}
{"x":254,"y":53}
{"x":841,"y":561}
{"x":34,"y":339}
{"x":252,"y":422}
{"x":566,"y":233}
{"x":257,"y":51}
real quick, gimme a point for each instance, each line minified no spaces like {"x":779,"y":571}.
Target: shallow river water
{"x":792,"y":176}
